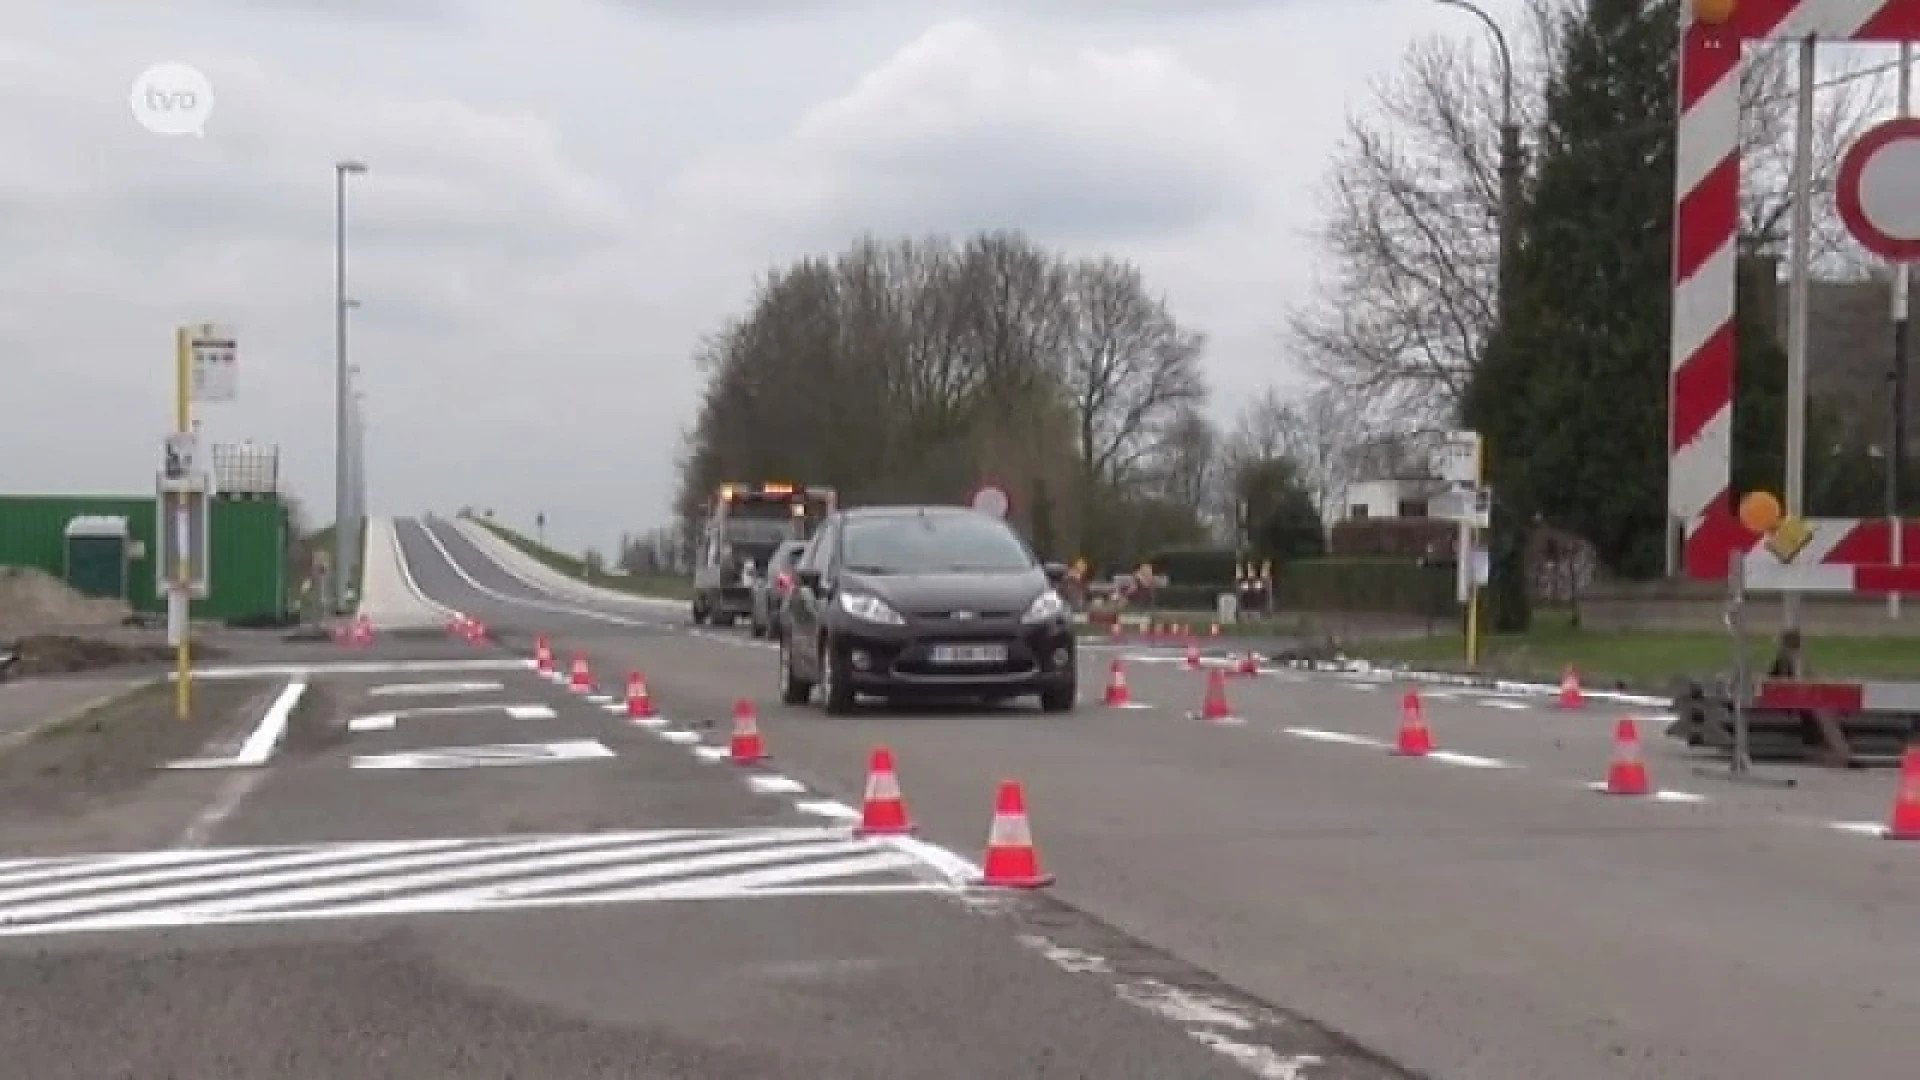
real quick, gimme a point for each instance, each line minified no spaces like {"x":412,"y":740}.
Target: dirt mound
{"x":34,"y":600}
{"x":60,"y":654}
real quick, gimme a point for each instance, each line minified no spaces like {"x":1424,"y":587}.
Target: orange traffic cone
{"x":1119,"y":695}
{"x":1570,"y":697}
{"x":457,"y":626}
{"x":1012,"y":861}
{"x":363,"y":631}
{"x":1628,"y":773}
{"x":1905,"y":821}
{"x":1193,"y":658}
{"x":582,"y":681}
{"x":1249,"y":665}
{"x":884,"y":811}
{"x":747,"y":746}
{"x":1214,"y":706}
{"x":1415,"y":739}
{"x":476,"y":631}
{"x":639,"y":701}
{"x":542,"y":655}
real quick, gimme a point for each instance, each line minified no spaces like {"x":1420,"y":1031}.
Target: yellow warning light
{"x":1713,"y":12}
{"x":1760,"y":511}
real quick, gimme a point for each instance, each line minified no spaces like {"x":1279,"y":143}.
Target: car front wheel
{"x":836,"y":694}
{"x":793,"y":689}
{"x":1059,"y":699}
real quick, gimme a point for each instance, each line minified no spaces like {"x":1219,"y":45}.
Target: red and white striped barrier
{"x":1706,"y":224}
{"x":1838,"y":697}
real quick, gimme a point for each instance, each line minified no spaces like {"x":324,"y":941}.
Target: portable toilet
{"x":98,"y":549}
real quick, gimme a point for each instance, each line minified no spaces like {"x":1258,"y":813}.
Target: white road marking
{"x":434,"y":688}
{"x":1342,"y":737}
{"x":1875,"y":829}
{"x":827,"y":808}
{"x":710,"y":754}
{"x":679,"y":738}
{"x":1467,"y":761}
{"x":469,"y":757}
{"x":386,"y":721}
{"x":225,"y":802}
{"x":264,"y":739}
{"x":775,"y":785}
{"x":308,"y":671}
{"x":1516,"y":706}
{"x":252,"y":885}
{"x":600,"y":699}
{"x":1657,"y":796}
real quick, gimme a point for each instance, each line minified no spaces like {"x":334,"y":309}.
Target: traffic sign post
{"x":1470,"y":504}
{"x":205,"y":359}
{"x":1878,"y":193}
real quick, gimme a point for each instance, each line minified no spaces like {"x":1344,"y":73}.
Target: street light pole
{"x":1511,"y":164}
{"x":1897,"y":375}
{"x":345,"y":532}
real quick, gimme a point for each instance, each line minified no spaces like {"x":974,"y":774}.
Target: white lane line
{"x":827,"y":808}
{"x":1511,"y":706}
{"x":775,"y":785}
{"x":1467,"y":761}
{"x":1874,"y":829}
{"x":1340,"y":737}
{"x":679,"y":738}
{"x":1657,"y":796}
{"x":710,"y":754}
{"x":531,"y":712}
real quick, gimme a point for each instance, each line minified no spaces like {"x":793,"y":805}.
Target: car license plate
{"x":969,"y":654}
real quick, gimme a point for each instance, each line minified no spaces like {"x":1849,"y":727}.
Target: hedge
{"x":1378,"y":586}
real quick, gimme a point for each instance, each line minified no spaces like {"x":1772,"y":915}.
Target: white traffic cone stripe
{"x":1010,"y":830}
{"x":882,"y":786}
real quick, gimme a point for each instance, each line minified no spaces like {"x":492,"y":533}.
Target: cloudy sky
{"x":564,"y":195}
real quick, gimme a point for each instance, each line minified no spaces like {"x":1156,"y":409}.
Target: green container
{"x":249,"y":537}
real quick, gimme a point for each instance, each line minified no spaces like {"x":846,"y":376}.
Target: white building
{"x":1405,"y":497}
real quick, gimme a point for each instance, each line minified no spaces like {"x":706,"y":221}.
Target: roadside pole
{"x":179,"y":600}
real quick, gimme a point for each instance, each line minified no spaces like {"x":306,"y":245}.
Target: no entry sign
{"x":1879,"y":190}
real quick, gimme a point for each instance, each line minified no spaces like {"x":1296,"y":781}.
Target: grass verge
{"x":1640,"y":659}
{"x":657,"y":586}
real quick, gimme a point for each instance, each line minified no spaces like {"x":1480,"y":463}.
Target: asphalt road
{"x":453,"y":867}
{"x":1480,"y":915}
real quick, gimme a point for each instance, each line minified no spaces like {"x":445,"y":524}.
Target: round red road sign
{"x":990,"y":499}
{"x":1879,"y":189}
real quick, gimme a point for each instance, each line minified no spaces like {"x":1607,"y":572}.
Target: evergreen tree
{"x":1586,"y":421}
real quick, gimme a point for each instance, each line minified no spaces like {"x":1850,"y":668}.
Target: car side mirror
{"x":1056,"y":572}
{"x":809,"y":579}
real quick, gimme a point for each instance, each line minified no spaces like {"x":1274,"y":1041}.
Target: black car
{"x":771,"y":588}
{"x":926,"y":602}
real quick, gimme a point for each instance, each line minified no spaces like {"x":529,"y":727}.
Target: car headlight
{"x":1047,"y":606}
{"x":869,"y":609}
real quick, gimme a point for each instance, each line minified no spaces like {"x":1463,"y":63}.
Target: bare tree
{"x":910,"y":370}
{"x":1130,"y":368}
{"x":1324,"y":434}
{"x":1411,"y":234}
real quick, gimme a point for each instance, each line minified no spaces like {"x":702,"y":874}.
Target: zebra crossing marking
{"x":221,"y":886}
{"x":496,"y":754}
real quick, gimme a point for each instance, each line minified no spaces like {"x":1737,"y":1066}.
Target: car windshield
{"x":933,"y":544}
